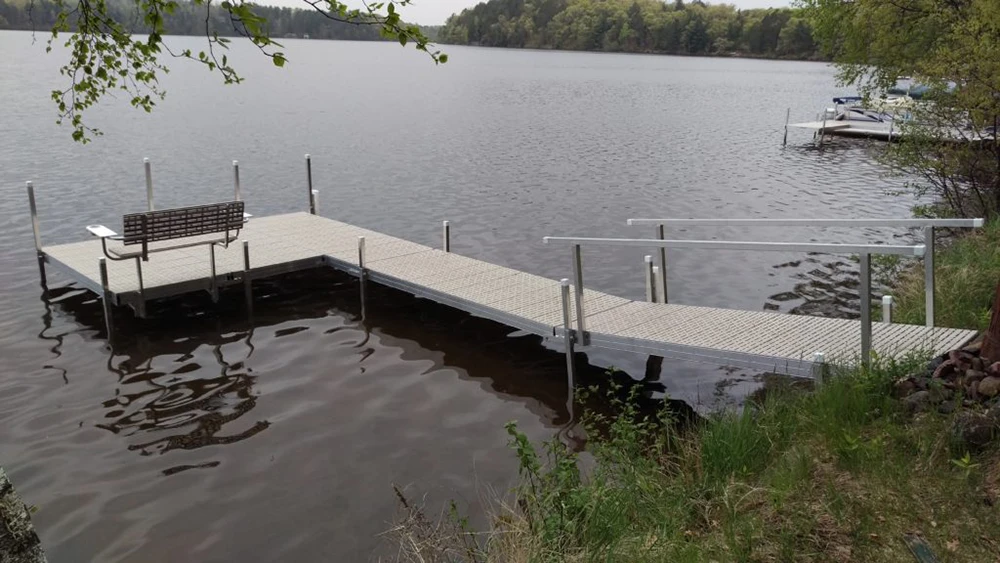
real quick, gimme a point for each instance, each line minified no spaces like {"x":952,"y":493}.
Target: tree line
{"x":635,"y":26}
{"x":188,"y":18}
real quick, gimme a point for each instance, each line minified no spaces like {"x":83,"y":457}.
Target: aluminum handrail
{"x":914,"y":250}
{"x":863,"y":250}
{"x":928,"y":226}
{"x":949,"y":223}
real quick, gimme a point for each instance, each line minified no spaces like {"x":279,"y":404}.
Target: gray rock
{"x":940,"y":394}
{"x":904,"y":387}
{"x":975,"y":347}
{"x":917,"y":402}
{"x":975,"y":431}
{"x":993,"y":413}
{"x":933,"y":364}
{"x":994,"y":369}
{"x":989,"y":387}
{"x":946,"y":370}
{"x":947,"y":407}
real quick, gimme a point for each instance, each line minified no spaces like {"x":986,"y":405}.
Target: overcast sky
{"x":434,"y":12}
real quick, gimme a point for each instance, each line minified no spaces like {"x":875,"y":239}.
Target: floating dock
{"x":274,"y":245}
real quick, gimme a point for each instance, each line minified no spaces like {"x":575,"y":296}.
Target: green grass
{"x":966,"y":276}
{"x":834,"y":474}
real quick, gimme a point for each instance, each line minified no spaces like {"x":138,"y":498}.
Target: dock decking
{"x":284,"y":243}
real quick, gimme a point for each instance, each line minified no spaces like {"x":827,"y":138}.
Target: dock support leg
{"x":247,"y":282}
{"x":237,"y":196}
{"x":140,"y":308}
{"x":309,"y":184}
{"x":315,"y":202}
{"x":819,"y":368}
{"x":581,"y":328}
{"x":887,"y":303}
{"x":660,"y":234}
{"x":102,"y":266}
{"x":361,"y":273}
{"x":929,"y":276}
{"x":568,"y":336}
{"x":650,"y":279}
{"x":788,"y":114}
{"x":865,"y":291}
{"x":37,"y":233}
{"x":213,"y":287}
{"x":149,"y":184}
{"x":446,"y":236}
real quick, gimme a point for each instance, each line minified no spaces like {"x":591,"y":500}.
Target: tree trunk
{"x":18,"y":541}
{"x":991,"y":340}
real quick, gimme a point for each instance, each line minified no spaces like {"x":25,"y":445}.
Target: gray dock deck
{"x":284,"y":243}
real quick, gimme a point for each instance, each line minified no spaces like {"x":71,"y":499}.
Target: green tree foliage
{"x":953,"y":47}
{"x":644,"y":26}
{"x":106,"y":57}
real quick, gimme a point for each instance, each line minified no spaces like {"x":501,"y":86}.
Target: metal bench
{"x":223,"y":220}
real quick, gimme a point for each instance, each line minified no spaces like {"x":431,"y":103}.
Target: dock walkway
{"x":285,"y":243}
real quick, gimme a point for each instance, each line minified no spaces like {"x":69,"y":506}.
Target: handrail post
{"x":236,"y":181}
{"x":650,"y":278}
{"x":213,"y":283}
{"x":149,"y":184}
{"x":660,"y":234}
{"x":929,"y":276}
{"x":36,"y":231}
{"x":361,"y":274}
{"x":865,"y":290}
{"x":887,"y":303}
{"x":581,"y":328}
{"x":309,"y":184}
{"x":567,"y":329}
{"x":446,"y":236}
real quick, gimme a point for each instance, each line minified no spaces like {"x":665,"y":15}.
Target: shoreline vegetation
{"x":635,"y":26}
{"x":843,"y":472}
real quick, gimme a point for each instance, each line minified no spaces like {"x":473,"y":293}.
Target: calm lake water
{"x":207,"y":436}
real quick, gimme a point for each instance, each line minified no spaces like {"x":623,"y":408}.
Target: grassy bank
{"x":836,"y":474}
{"x":967,"y":271}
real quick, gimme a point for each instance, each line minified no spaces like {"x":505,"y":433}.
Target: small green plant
{"x":965,"y":463}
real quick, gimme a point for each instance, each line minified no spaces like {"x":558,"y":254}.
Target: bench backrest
{"x":169,"y":224}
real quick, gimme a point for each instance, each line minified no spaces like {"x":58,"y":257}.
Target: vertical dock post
{"x":581,"y":327}
{"x":567,"y":331}
{"x":446,"y":236}
{"x":887,"y":303}
{"x":237,"y":196}
{"x":656,"y":283}
{"x":865,"y":291}
{"x":213,"y":287}
{"x":660,"y":234}
{"x":309,"y":184}
{"x":819,"y":368}
{"x":315,"y":202}
{"x":140,"y":309}
{"x":149,"y":184}
{"x":929,"y":276}
{"x":36,"y":231}
{"x":247,"y":283}
{"x":891,"y":124}
{"x":361,"y":273}
{"x":788,"y":114}
{"x":650,"y":278}
{"x":102,"y":266}
{"x":822,"y":131}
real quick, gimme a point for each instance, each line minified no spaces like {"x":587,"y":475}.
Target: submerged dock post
{"x":822,"y":131}
{"x":865,"y":291}
{"x":237,"y":196}
{"x":567,"y":330}
{"x":578,"y":291}
{"x":315,"y":202}
{"x":247,"y":283}
{"x":656,"y":284}
{"x":446,"y":236}
{"x":650,"y":278}
{"x":309,"y":184}
{"x":140,"y":309}
{"x":788,"y":114}
{"x":149,"y":184}
{"x":661,"y":234}
{"x":102,"y":266}
{"x":36,"y":231}
{"x":887,"y":308}
{"x":213,"y":286}
{"x":929,"y":276}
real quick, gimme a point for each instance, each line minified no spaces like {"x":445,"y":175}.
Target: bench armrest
{"x":101,"y":231}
